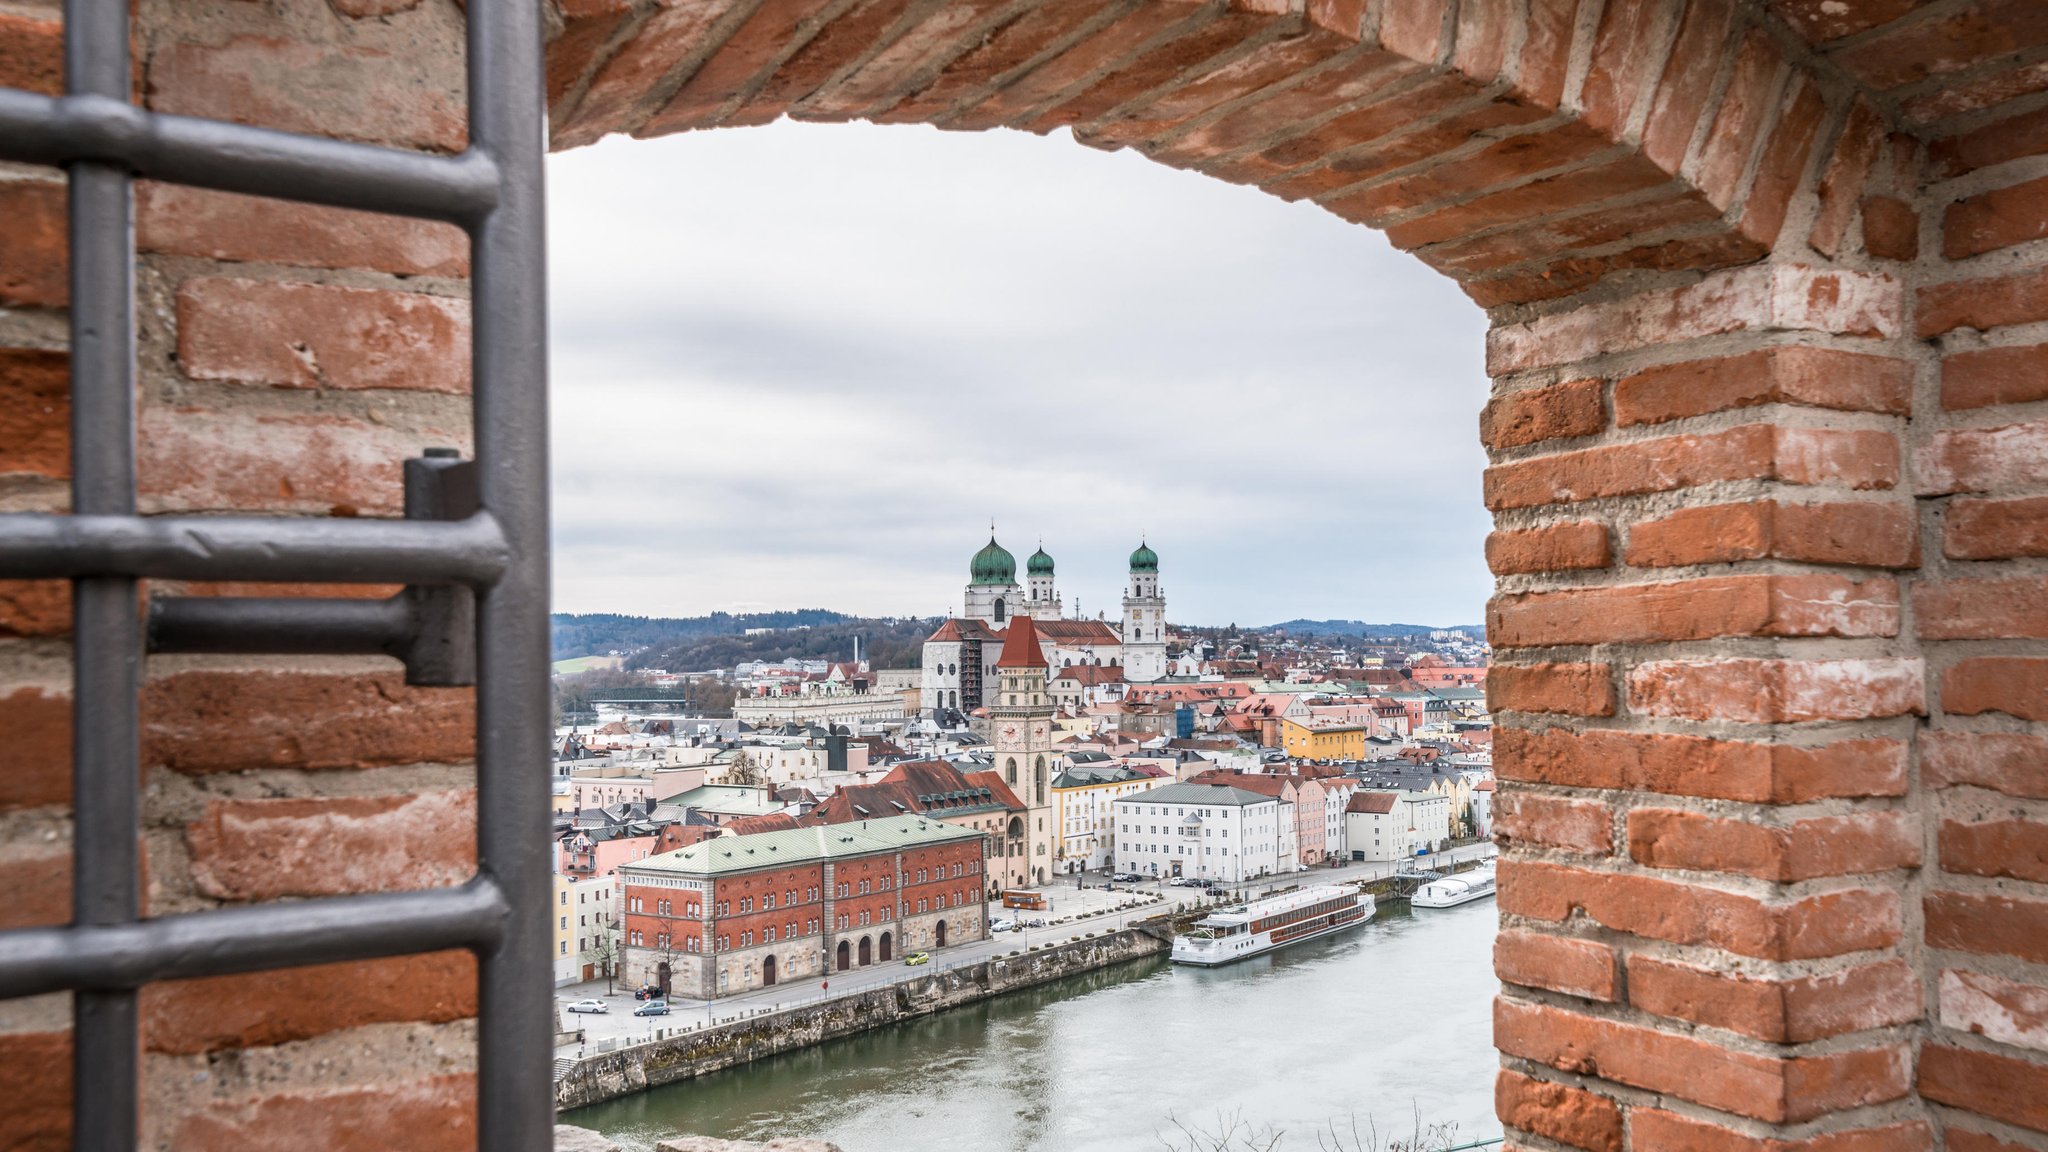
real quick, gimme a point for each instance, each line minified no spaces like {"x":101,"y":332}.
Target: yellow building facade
{"x":1323,"y":741}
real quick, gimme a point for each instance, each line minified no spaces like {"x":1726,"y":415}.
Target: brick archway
{"x":1769,"y":470}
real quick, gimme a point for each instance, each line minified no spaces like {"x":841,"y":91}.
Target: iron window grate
{"x":493,"y":191}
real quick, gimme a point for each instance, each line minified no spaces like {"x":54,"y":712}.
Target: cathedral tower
{"x":993,"y":594}
{"x":1144,"y":620}
{"x":1045,"y":600}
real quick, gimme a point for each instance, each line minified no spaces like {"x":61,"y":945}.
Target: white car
{"x":1001,"y":924}
{"x":589,"y":1006}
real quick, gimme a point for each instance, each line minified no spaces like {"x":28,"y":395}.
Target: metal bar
{"x":35,"y":546}
{"x":106,"y":129}
{"x":34,"y":961}
{"x":281,"y":625}
{"x":107,"y":641}
{"x":515,"y":1107}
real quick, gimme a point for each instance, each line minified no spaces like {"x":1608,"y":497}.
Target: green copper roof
{"x":993,"y":565}
{"x":1144,"y":559}
{"x":1040,"y":564}
{"x":801,"y":845}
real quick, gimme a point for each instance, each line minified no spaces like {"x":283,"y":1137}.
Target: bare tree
{"x":1231,"y":1132}
{"x":603,"y":954}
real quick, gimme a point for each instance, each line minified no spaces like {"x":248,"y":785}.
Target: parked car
{"x":590,"y":1006}
{"x":1002,"y":924}
{"x":1127,"y":877}
{"x":650,"y":992}
{"x":1181,"y":882}
{"x":1034,"y":922}
{"x":652,"y":1008}
{"x":918,"y":958}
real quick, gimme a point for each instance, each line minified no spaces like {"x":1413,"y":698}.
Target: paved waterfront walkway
{"x":1074,"y":911}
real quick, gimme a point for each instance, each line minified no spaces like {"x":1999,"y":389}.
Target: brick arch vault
{"x":1768,"y":284}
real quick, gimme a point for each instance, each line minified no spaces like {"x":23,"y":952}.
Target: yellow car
{"x":918,"y":958}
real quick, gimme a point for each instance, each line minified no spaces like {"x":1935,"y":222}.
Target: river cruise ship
{"x":1274,"y":922}
{"x":1451,"y":891}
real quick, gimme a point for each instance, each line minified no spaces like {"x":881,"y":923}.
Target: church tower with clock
{"x":1020,"y":714}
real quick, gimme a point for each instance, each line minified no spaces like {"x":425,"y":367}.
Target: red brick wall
{"x":1770,"y":480}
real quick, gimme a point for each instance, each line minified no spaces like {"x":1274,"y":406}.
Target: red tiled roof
{"x":930,"y":787}
{"x":1090,"y":675}
{"x":1380,"y":802}
{"x":1074,"y":633}
{"x":771,"y":822}
{"x":993,"y":781}
{"x":1020,"y":646}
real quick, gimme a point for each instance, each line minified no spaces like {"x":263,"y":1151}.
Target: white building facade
{"x":1209,"y":831}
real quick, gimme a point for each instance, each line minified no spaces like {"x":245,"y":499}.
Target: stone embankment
{"x":610,"y":1075}
{"x":569,"y":1139}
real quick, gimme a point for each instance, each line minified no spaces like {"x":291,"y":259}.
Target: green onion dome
{"x":1144,"y":559}
{"x":1040,"y":564}
{"x":993,"y":565}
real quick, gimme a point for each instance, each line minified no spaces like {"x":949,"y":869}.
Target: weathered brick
{"x":1739,"y":122}
{"x":35,"y":607}
{"x":1880,"y":535}
{"x":317,"y":336}
{"x":1988,"y":376}
{"x":1983,"y":303}
{"x":2005,"y":608}
{"x":1573,"y":408}
{"x":1813,"y":377}
{"x":1855,"y":459}
{"x":31,"y":53}
{"x":1999,"y":218}
{"x":35,"y":1074}
{"x":616,"y":99}
{"x":275,"y":1007}
{"x":1556,"y":1111}
{"x":1948,"y":42}
{"x":1688,"y":81}
{"x":1995,"y":1008}
{"x":1626,"y":46}
{"x":1768,"y":298}
{"x":355,"y":93}
{"x":34,"y":266}
{"x":1991,"y":924}
{"x":1700,"y":766}
{"x":35,"y":411}
{"x":1751,"y":605}
{"x":186,"y":221}
{"x":1791,"y":1011}
{"x":2012,"y":848}
{"x":1813,"y":927}
{"x":1555,"y":548}
{"x":1891,"y":228}
{"x":38,"y":727}
{"x":2014,"y":685}
{"x":1584,"y":968}
{"x":1779,"y":691}
{"x":1801,"y":850}
{"x":1842,"y":180}
{"x":1987,"y":1083}
{"x":431,"y":1114}
{"x":1570,"y":689}
{"x":38,"y":874}
{"x":331,"y":846}
{"x":1695,"y":1069}
{"x":1979,"y":529}
{"x":2003,"y":139}
{"x":1782,"y":166}
{"x":1529,"y":819}
{"x":1670,"y":1132}
{"x":2007,"y":762}
{"x":217,"y":721}
{"x":243,"y":459}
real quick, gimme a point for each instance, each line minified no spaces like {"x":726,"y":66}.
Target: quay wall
{"x":610,"y":1075}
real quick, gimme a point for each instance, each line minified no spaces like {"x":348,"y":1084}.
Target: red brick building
{"x":742,"y":912}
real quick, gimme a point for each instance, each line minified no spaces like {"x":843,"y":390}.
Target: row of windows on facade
{"x":789,"y":899}
{"x":695,"y":943}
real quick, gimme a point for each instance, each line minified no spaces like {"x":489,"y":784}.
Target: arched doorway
{"x":867,"y":952}
{"x":888,"y":947}
{"x":662,"y":974}
{"x":768,"y":971}
{"x":939,"y":934}
{"x":845,"y":956}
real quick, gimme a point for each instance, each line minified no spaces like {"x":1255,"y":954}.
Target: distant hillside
{"x":599,"y":633}
{"x":720,"y":640}
{"x":1363,"y":629}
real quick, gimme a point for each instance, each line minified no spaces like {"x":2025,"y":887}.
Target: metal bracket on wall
{"x":432,"y":628}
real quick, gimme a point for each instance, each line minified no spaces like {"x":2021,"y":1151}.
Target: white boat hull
{"x":1451,"y":892}
{"x":1231,"y":950}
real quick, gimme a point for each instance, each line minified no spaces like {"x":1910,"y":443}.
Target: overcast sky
{"x":806,"y":365}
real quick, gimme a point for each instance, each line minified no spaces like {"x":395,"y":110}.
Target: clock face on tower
{"x":1009,"y":731}
{"x":1038,"y":733}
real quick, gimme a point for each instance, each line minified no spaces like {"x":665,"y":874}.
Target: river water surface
{"x":1385,"y":1022}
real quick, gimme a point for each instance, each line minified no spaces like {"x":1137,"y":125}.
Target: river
{"x":1386,"y":1022}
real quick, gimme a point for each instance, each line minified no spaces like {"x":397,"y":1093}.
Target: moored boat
{"x":1451,"y":891}
{"x":1247,"y":930}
